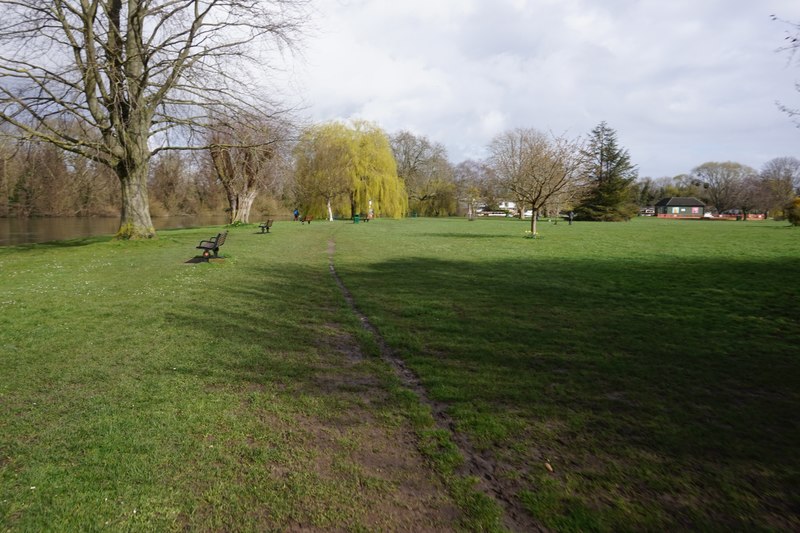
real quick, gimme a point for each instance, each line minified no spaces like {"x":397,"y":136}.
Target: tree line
{"x":730,"y":186}
{"x":153,"y":107}
{"x":340,"y":169}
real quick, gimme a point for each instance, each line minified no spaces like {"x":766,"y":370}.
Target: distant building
{"x":680,"y":207}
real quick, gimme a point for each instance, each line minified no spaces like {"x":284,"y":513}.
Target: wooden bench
{"x":307,"y":218}
{"x":265,"y":226}
{"x":212,"y":245}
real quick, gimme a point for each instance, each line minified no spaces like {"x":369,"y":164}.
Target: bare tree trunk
{"x":330,"y":211}
{"x":233,"y":203}
{"x":534,"y":216}
{"x":245,"y":205}
{"x":135,"y":221}
{"x":240,"y":202}
{"x":4,"y":210}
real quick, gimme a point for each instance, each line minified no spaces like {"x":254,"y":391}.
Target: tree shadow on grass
{"x":470,"y":236}
{"x":669,"y":385}
{"x":70,"y":243}
{"x":276,"y":348}
{"x":683,"y":368}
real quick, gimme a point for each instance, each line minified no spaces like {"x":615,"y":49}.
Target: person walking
{"x":296,"y":215}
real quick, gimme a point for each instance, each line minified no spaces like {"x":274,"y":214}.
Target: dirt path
{"x":477,"y":464}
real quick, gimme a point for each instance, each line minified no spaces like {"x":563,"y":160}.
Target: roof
{"x":683,"y":201}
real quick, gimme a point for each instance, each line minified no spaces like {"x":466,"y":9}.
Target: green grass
{"x":653,"y":364}
{"x":142,"y":393}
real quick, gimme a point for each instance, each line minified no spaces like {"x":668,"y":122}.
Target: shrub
{"x":792,"y":211}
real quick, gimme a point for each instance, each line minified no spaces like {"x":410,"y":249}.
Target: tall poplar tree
{"x":611,"y":196}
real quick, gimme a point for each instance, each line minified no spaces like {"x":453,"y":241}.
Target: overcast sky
{"x":681,"y":81}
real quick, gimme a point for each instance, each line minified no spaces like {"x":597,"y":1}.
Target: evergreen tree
{"x":611,"y":196}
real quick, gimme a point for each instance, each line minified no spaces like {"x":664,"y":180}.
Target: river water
{"x":32,"y":230}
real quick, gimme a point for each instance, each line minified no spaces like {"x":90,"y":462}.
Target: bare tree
{"x":474,"y":180}
{"x":751,"y":195}
{"x":426,"y":172}
{"x":135,"y":76}
{"x":9,"y":163}
{"x":792,"y":46}
{"x":724,"y":182}
{"x":247,"y":161}
{"x":783,"y":176}
{"x":509,"y":157}
{"x":477,"y":185}
{"x":170,"y":184}
{"x":538,"y":168}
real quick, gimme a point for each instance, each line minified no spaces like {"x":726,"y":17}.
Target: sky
{"x":682,"y":82}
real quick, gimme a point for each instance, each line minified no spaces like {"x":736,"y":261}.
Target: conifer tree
{"x":611,"y":175}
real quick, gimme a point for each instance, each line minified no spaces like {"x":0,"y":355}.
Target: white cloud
{"x":682,"y":82}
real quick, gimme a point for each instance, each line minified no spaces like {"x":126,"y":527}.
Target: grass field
{"x":630,"y":376}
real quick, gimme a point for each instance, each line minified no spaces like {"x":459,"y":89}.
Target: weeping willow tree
{"x":374,"y":174}
{"x":348,"y":169}
{"x":321,"y":161}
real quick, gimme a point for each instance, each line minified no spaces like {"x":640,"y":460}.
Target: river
{"x":46,"y":229}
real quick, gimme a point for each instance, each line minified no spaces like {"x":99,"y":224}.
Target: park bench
{"x":307,"y":218}
{"x":265,"y":226}
{"x":212,"y":245}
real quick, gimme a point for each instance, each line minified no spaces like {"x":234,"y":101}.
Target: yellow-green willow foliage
{"x":341,"y":168}
{"x":321,"y":159}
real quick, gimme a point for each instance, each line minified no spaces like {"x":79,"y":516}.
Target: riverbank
{"x":20,"y":230}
